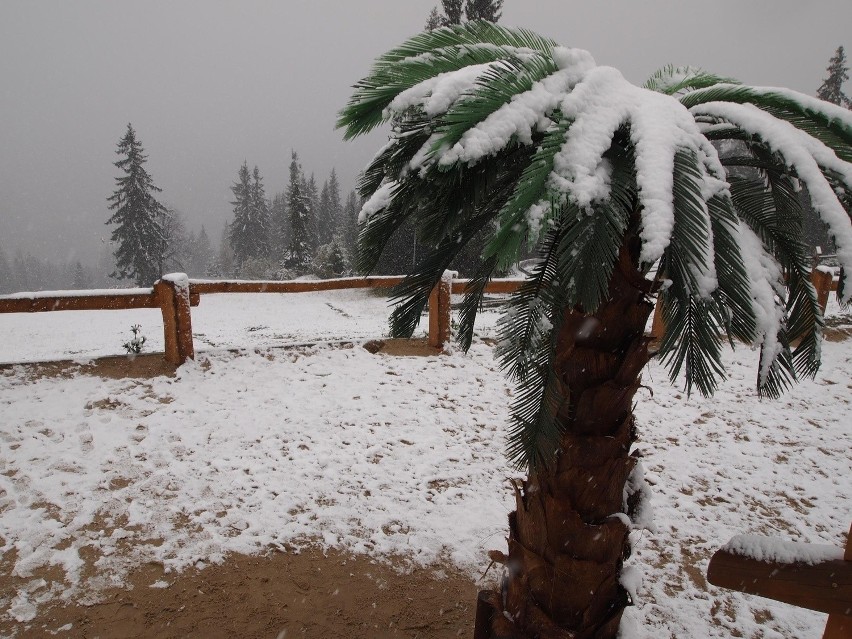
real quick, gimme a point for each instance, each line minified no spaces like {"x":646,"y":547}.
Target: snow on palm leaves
{"x":499,"y":124}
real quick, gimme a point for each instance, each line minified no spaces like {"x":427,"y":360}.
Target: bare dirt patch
{"x":117,"y":367}
{"x":309,"y":594}
{"x":146,"y":366}
{"x":402,"y":347}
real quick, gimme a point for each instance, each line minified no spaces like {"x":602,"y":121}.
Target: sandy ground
{"x":308,"y":594}
{"x":302,"y":593}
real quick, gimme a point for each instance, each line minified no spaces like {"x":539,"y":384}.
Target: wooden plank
{"x":658,"y":327}
{"x":822,"y":281}
{"x":494,"y":286}
{"x":439,"y":311}
{"x":825,"y":586}
{"x":306,"y":286}
{"x":166,"y":299}
{"x":840,"y":626}
{"x":79,"y":303}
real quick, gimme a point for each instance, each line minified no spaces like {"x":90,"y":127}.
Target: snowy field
{"x":396,"y":457}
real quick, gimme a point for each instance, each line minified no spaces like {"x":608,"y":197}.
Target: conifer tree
{"x":483,"y":10}
{"x":452,"y":11}
{"x":138,"y":216}
{"x":201,"y":254}
{"x":334,"y":205}
{"x":7,"y":278}
{"x":349,"y":226}
{"x":260,"y":217}
{"x":329,"y":210}
{"x":249,"y":232}
{"x":176,"y":254}
{"x":240,"y":230}
{"x":81,"y":279}
{"x":434,"y":20}
{"x":298,"y":207}
{"x":831,"y":89}
{"x":324,"y":221}
{"x":280,"y":233}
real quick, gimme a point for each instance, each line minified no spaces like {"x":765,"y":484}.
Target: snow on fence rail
{"x":175,"y":294}
{"x":803,"y":575}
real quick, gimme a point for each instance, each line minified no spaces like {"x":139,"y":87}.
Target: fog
{"x":209,"y":84}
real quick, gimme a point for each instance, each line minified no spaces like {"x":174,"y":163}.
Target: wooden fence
{"x":175,"y":294}
{"x":824,"y":584}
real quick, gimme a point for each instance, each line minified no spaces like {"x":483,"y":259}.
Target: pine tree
{"x":434,"y":20}
{"x":328,"y":210}
{"x":452,"y":11}
{"x":222,"y":264}
{"x":82,"y":279}
{"x":260,"y":217}
{"x":831,"y":89}
{"x":176,"y":255}
{"x":7,"y":278}
{"x":280,"y":223}
{"x":324,"y":221}
{"x":250,"y":230}
{"x":335,"y":208}
{"x":201,"y":254}
{"x":240,"y":230}
{"x":483,"y":10}
{"x":298,"y":207}
{"x":139,"y":217}
{"x":349,"y":226}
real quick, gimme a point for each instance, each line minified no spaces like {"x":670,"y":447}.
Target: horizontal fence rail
{"x":175,"y":294}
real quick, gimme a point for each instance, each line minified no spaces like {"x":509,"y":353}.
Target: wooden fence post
{"x":439,"y":310}
{"x":658,"y":327}
{"x":840,"y":626}
{"x":819,"y":580}
{"x":822,"y":281}
{"x":172,"y":292}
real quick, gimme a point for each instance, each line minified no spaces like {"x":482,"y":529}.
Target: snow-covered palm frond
{"x":435,"y":68}
{"x":499,"y":131}
{"x":673,"y":80}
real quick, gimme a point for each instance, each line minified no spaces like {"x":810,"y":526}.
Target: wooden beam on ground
{"x":825,"y":586}
{"x":840,"y":626}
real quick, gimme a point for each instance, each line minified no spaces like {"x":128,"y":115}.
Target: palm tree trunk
{"x":568,"y":535}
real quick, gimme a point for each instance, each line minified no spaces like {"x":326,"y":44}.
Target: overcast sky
{"x":208,"y":84}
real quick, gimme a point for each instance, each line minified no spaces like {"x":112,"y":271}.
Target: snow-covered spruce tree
{"x":240,"y":231}
{"x":260,"y":217}
{"x":831,"y":89}
{"x":249,"y":232}
{"x":299,"y":250}
{"x":138,"y":216}
{"x":349,"y":226}
{"x":434,"y":20}
{"x":627,"y":199}
{"x":8,"y":282}
{"x":483,"y":9}
{"x":280,"y":234}
{"x":335,"y":207}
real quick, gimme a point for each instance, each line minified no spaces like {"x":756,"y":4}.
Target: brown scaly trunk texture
{"x":566,"y":541}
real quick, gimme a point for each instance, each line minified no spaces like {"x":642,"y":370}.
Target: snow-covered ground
{"x":398,"y":457}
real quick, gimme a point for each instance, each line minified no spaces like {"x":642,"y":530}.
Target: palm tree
{"x":685,"y":190}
